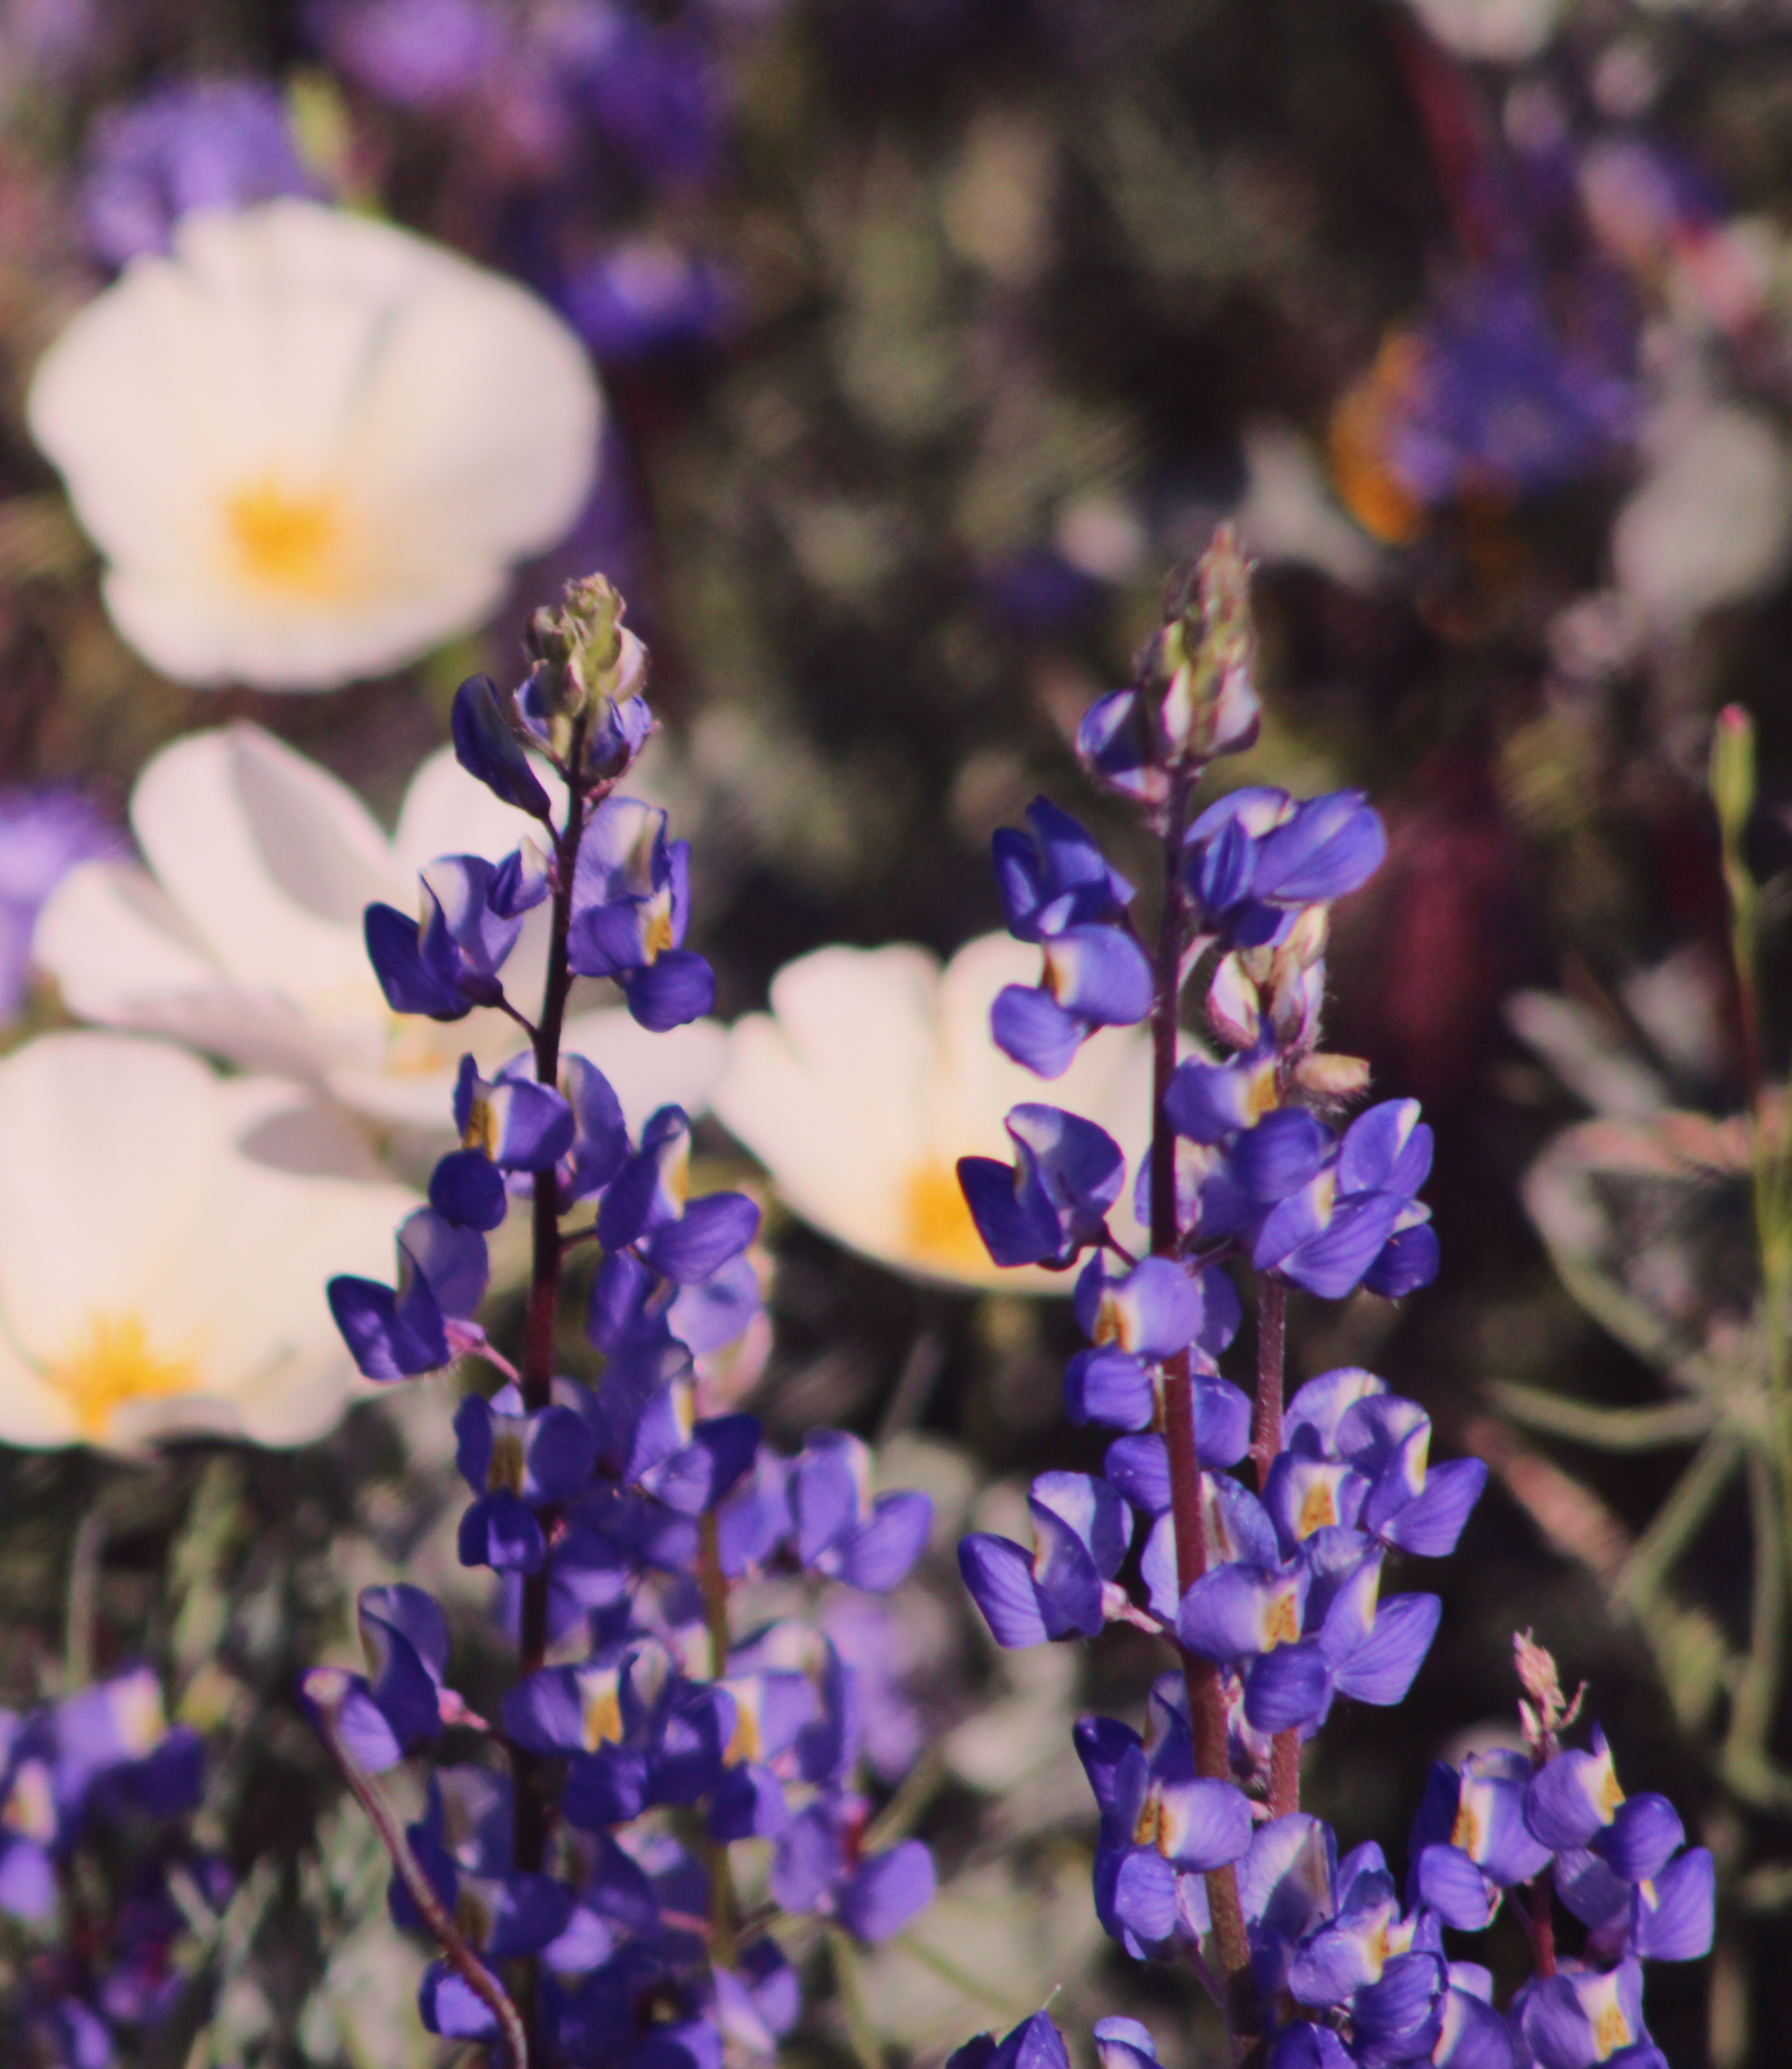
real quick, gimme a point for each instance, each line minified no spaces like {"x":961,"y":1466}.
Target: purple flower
{"x":643,"y":295}
{"x":399,"y":1702}
{"x":1054,"y":1201}
{"x":1094,"y":977}
{"x":516,"y":1463}
{"x":419,"y":1325}
{"x":1499,"y":400}
{"x":1056,"y":878}
{"x":631,"y":904}
{"x":841,"y":1529}
{"x":646,"y":1208}
{"x":217,"y":143}
{"x":1356,"y":1220}
{"x":447,"y":960}
{"x":43,"y":835}
{"x":519,"y":1124}
{"x":1471,"y":1841}
{"x":490,"y":752}
{"x":1582,"y":2015}
{"x":425,"y":53}
{"x":1162,"y":1828}
{"x":1081,"y":1531}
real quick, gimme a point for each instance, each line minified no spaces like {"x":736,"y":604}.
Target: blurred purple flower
{"x":43,"y":834}
{"x":1501,"y":401}
{"x":221,"y":143}
{"x":642,"y":296}
{"x":425,"y":53}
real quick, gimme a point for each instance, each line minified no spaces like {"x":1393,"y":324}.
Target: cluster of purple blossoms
{"x":643,"y":1735}
{"x":102,"y":1765}
{"x":601,"y":117}
{"x":1271,"y":1596}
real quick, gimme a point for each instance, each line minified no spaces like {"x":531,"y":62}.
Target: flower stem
{"x":326,"y":1686}
{"x":1266,"y":1441}
{"x":529,"y":1777}
{"x":1206,"y":1711}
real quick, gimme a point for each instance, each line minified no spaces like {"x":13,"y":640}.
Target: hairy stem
{"x":529,"y":1776}
{"x":724,"y":1904}
{"x":1206,"y":1711}
{"x":1541,"y":1925}
{"x":1266,"y":1441}
{"x":327,"y":1685}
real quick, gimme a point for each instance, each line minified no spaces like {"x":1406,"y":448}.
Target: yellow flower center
{"x":115,"y":1362}
{"x":285,"y":541}
{"x":937,"y":1227}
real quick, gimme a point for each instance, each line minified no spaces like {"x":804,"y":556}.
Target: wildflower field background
{"x":890,"y":357}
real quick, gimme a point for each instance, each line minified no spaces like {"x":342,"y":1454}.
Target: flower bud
{"x":1201,"y":662}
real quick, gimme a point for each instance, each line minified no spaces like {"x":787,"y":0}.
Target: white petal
{"x":447,"y":812}
{"x":109,"y":935}
{"x":235,"y":825}
{"x":139,"y":1185}
{"x":443,"y":422}
{"x":647,"y":1070}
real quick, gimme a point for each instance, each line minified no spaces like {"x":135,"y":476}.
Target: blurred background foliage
{"x":1015,"y":299}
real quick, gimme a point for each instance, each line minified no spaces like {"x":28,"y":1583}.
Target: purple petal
{"x":888,"y":1891}
{"x":1644,"y":1833}
{"x":1029,"y":1026}
{"x":1672,"y":1921}
{"x":883,"y":1551}
{"x":1451,"y":1885}
{"x":1290,"y":1686}
{"x":1380,"y":1670}
{"x":999,"y":1575}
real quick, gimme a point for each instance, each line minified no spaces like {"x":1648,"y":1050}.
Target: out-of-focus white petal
{"x":1712,"y":521}
{"x":874,"y":1072}
{"x":646,"y":1071}
{"x":308,"y":445}
{"x":1497,"y":32}
{"x":109,"y":934}
{"x":164,"y":1241}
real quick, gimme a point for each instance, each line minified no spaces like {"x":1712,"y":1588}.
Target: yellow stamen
{"x":1466,"y":1832}
{"x":1610,"y":2031}
{"x":1318,"y":1511}
{"x":937,"y":1227}
{"x":285,"y":541}
{"x":115,"y":1363}
{"x":1282,"y":1626}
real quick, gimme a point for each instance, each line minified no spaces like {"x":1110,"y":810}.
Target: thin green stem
{"x":859,"y":2029}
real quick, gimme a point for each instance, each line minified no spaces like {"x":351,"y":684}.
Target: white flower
{"x":1497,"y":31}
{"x":1711,"y":521}
{"x":164,"y":1239}
{"x":246,"y":942}
{"x":874,"y":1072}
{"x":309,"y":445}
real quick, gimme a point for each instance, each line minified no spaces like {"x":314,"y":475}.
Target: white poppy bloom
{"x":165,"y":1235}
{"x":874,"y":1072}
{"x":246,"y":940}
{"x":308,"y":445}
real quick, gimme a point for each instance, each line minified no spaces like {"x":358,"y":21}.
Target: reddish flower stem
{"x":1266,"y":1441}
{"x":1206,"y":1711}
{"x":326,"y":1686}
{"x":528,"y":1775}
